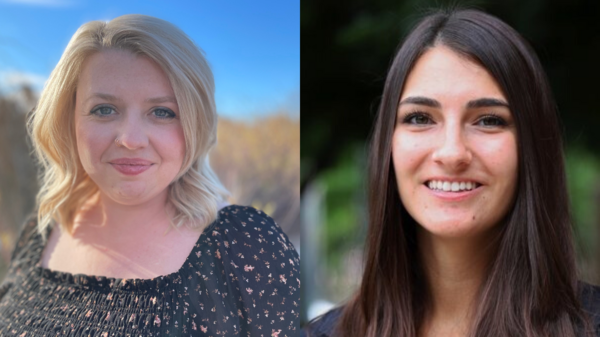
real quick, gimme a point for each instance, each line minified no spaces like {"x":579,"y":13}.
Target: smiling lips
{"x":131,"y":166}
{"x":452,"y":186}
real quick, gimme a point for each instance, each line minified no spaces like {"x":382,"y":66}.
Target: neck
{"x":455,"y":270}
{"x":104,"y":215}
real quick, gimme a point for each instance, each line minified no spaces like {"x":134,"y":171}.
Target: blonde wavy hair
{"x":196,"y":191}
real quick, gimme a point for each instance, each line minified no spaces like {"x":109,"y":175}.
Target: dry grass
{"x":259,"y":162}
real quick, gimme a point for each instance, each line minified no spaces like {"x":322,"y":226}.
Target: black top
{"x":590,"y":299}
{"x":241,"y":279}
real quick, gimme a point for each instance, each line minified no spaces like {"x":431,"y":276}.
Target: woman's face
{"x":454,"y":146}
{"x":128,"y":98}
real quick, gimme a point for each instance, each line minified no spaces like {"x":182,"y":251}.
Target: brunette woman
{"x":469,"y":224}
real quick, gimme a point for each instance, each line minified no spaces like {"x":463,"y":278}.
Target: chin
{"x":454,"y":229}
{"x":127,"y":194}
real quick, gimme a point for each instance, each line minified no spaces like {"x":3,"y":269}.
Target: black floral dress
{"x":241,"y":279}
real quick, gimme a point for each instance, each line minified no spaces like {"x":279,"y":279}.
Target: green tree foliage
{"x":346,"y":51}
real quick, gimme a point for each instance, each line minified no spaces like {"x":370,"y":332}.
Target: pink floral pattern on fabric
{"x":241,"y":279}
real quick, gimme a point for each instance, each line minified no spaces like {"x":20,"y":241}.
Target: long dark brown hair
{"x":531,"y":287}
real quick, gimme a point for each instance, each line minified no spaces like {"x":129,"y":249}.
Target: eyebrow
{"x":154,"y":100}
{"x":477,"y":103}
{"x":161,"y":99}
{"x":420,"y":100}
{"x":487,"y":103}
{"x":107,"y":97}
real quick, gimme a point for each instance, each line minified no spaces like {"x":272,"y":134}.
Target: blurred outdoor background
{"x":254,"y":50}
{"x":346,"y":51}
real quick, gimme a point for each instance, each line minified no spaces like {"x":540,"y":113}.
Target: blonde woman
{"x":132,"y":235}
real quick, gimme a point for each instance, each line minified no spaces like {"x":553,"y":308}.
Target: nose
{"x":453,"y":150}
{"x":131,"y":133}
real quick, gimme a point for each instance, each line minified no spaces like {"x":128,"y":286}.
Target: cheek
{"x":408,"y":152}
{"x":500,"y":159}
{"x":92,"y":142}
{"x":512,"y":160}
{"x":171,"y":146}
{"x":501,"y":156}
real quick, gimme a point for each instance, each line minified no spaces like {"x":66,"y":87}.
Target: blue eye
{"x":102,"y":111}
{"x":164,"y":113}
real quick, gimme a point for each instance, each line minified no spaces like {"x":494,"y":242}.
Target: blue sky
{"x":253,"y":46}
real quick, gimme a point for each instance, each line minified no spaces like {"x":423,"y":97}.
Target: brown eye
{"x":417,"y":118}
{"x":491,"y":121}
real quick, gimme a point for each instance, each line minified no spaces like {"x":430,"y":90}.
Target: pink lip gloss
{"x":131,"y":170}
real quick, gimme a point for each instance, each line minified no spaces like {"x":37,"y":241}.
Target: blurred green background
{"x":345,"y":53}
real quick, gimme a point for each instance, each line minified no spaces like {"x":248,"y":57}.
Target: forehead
{"x":444,"y":75}
{"x":118,"y":72}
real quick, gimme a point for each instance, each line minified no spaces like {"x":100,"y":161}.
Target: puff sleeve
{"x":244,"y":279}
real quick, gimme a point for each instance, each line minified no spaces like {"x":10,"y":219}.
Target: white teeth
{"x":455,"y":186}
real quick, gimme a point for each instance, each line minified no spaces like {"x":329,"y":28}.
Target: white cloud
{"x":13,"y":80}
{"x":41,"y":3}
